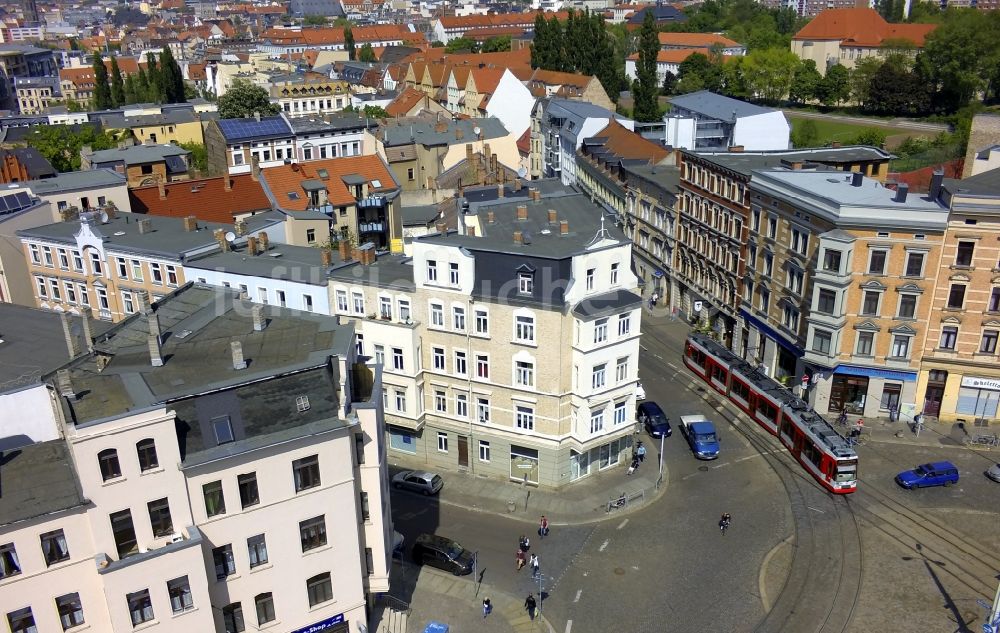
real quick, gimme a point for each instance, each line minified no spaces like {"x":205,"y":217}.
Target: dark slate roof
{"x":661,"y":13}
{"x":746,"y":162}
{"x":38,"y":479}
{"x":282,"y":261}
{"x":613,"y":302}
{"x":137,"y":154}
{"x":238,"y":130}
{"x":388,"y":271}
{"x":717,"y":106}
{"x":37,"y":165}
{"x":985,"y":184}
{"x":420,"y":215}
{"x":426,"y":132}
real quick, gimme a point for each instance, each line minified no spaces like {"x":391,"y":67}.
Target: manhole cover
{"x":619,"y":571}
{"x":703,"y":469}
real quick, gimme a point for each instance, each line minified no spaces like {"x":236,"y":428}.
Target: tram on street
{"x":816,"y":445}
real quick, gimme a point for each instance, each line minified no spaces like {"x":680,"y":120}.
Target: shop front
{"x":523,"y":464}
{"x":870,"y":392}
{"x":978,"y":398}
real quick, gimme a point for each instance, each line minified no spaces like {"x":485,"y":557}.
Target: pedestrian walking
{"x":530,"y":605}
{"x":534,"y":566}
{"x":640,"y":452}
{"x":487,"y":607}
{"x":543,"y":527}
{"x":519,"y":558}
{"x":655,"y":298}
{"x":524,"y":543}
{"x":633,"y":466}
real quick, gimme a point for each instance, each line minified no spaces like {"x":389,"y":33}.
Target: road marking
{"x":579,"y":592}
{"x":816,"y":510}
{"x":603,"y":545}
{"x":623,"y":524}
{"x":722,"y":465}
{"x":569,"y":625}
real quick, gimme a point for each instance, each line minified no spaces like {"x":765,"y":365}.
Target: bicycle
{"x":724,"y":523}
{"x":982,"y":440}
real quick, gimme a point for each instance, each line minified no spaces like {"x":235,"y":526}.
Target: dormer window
{"x":525,"y":283}
{"x":223,"y":429}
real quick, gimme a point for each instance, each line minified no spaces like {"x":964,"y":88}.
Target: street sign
{"x":697,"y":306}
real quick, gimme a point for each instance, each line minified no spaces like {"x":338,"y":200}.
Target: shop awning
{"x":874,"y":372}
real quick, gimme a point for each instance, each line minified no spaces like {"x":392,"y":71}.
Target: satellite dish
{"x":522,"y":172}
{"x":477,"y":131}
{"x":230,"y":237}
{"x":104,"y":217}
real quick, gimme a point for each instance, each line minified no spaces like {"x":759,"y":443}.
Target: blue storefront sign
{"x":873,"y":372}
{"x":322,"y":625}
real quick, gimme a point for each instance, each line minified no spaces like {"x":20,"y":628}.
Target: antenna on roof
{"x":602,"y":233}
{"x":230,"y":237}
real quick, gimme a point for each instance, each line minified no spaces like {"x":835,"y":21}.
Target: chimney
{"x":145,"y":226}
{"x":238,"y":360}
{"x":517,"y":184}
{"x":69,"y":214}
{"x":264,"y":241}
{"x":256,"y":116}
{"x":251,"y":245}
{"x":490,"y":217}
{"x":736,"y":149}
{"x":459,"y":134}
{"x":65,"y":384}
{"x":241,"y":228}
{"x":901,"y":190}
{"x":937,"y":179}
{"x":88,"y":340}
{"x":522,"y":212}
{"x":500,"y":191}
{"x":259,"y":322}
{"x":326,"y":257}
{"x":368,"y":254}
{"x":563,"y":227}
{"x":163,"y":190}
{"x":254,"y":168}
{"x":518,"y":239}
{"x":471,"y":231}
{"x":345,"y":250}
{"x":154,"y":352}
{"x":220,"y":237}
{"x":857,"y":179}
{"x":835,"y":145}
{"x":552,"y":216}
{"x":111,"y":210}
{"x":71,"y":343}
{"x":153,"y":322}
{"x":536,"y":195}
{"x":142,"y":299}
{"x":442,"y":228}
{"x":227,"y":183}
{"x":190,"y":223}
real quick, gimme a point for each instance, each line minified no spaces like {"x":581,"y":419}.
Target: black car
{"x":443,"y":553}
{"x":653,"y":419}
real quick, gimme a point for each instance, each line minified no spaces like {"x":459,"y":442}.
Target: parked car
{"x":418,"y":481}
{"x":653,"y":419}
{"x":443,"y":553}
{"x":935,"y":474}
{"x":993,"y":472}
{"x":640,"y":391}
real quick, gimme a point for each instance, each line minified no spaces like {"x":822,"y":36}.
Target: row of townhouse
{"x":212,"y":479}
{"x":869,"y":299}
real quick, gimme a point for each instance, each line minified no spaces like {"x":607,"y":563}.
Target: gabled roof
{"x":626,"y":144}
{"x":696,"y":40}
{"x":205,"y":199}
{"x":137,"y":154}
{"x":556,"y":78}
{"x":487,"y":79}
{"x":404,"y":102}
{"x":469,"y":22}
{"x":673,"y":55}
{"x":860,"y":27}
{"x":283,"y":180}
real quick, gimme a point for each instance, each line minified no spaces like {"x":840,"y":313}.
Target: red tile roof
{"x":205,"y":199}
{"x":324,"y":35}
{"x":556,"y":78}
{"x":626,"y":144}
{"x":860,"y":27}
{"x":469,"y":22}
{"x":524,"y":143}
{"x":285,"y":179}
{"x":695,"y":40}
{"x":673,"y":55}
{"x":404,"y":102}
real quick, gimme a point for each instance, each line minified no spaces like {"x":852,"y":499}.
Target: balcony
{"x":191,"y":537}
{"x":371,"y":202}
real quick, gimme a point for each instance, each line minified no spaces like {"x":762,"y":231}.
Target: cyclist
{"x":725,"y":521}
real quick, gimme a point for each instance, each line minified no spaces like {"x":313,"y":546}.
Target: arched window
{"x":146,"y":450}
{"x":110,"y":468}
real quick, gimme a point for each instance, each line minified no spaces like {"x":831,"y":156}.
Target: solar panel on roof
{"x":3,"y":204}
{"x":23,"y":199}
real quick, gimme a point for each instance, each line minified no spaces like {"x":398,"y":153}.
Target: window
{"x":136,"y":270}
{"x":437,"y":358}
{"x":596,"y":421}
{"x":598,"y":376}
{"x":108,"y":460}
{"x":765,"y":299}
{"x":790,"y":318}
{"x":215,"y":500}
{"x":621,"y":370}
{"x":831,"y":261}
{"x":624,"y":324}
{"x":482,"y":322}
{"x":483,"y":366}
{"x":159,"y":517}
{"x":869,"y":305}
{"x":54,"y":547}
{"x":458,"y":318}
{"x":437,"y":315}
{"x":312,"y":533}
{"x":341,"y":300}
{"x":795,"y":280}
{"x":461,"y":405}
{"x":140,"y":606}
{"x":84,"y":296}
{"x":385,"y":307}
{"x":257,"y":550}
{"x":821,"y":341}
{"x":225,"y":564}
{"x":265,"y":607}
{"x":461,"y":363}
{"x":440,"y":401}
{"x":358,"y":300}
{"x":827,"y":301}
{"x":380,"y":354}
{"x":484,"y":451}
{"x":310,"y":236}
{"x":35,"y":256}
{"x":800,"y":241}
{"x":432,"y":270}
{"x":77,"y":261}
{"x":122,"y":267}
{"x":900,"y":346}
{"x":171,"y":275}
{"x":55,"y":292}
{"x":70,"y":292}
{"x":9,"y":565}
{"x":949,"y":336}
{"x":453,"y":273}
{"x":590,"y":278}
{"x":772,"y":227}
{"x":70,"y":610}
{"x":400,"y":400}
{"x":524,"y":373}
{"x":914,"y":264}
{"x":876,"y":262}
{"x":956,"y":296}
{"x":232,"y":618}
{"x":306,"y":472}
{"x":614,"y":274}
{"x":483,"y":410}
{"x":307,"y":303}
{"x":866,"y":341}
{"x":249,"y":495}
{"x":124,"y":533}
{"x":524,"y":417}
{"x":223,"y":429}
{"x":179,"y":590}
{"x":524,"y":329}
{"x":281,"y":297}
{"x":146,"y":451}
{"x":319,"y":589}
{"x":47,"y":256}
{"x":907,"y":306}
{"x":989,"y":343}
{"x":397,"y":358}
{"x":442,"y":442}
{"x":600,"y":330}
{"x":403,"y":305}
{"x":768,"y":263}
{"x":525,"y":283}
{"x":963,"y":255}
{"x":156,"y":272}
{"x":994,"y":304}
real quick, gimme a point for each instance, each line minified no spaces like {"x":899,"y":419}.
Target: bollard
{"x":511,"y":506}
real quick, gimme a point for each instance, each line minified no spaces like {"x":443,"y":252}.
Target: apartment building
{"x":195,"y":484}
{"x":959,"y":376}
{"x":235,"y":145}
{"x":330,"y":136}
{"x":706,"y":121}
{"x":35,"y":95}
{"x":22,"y":61}
{"x":839,"y":276}
{"x":310,"y":95}
{"x":146,"y":164}
{"x":558,"y":129}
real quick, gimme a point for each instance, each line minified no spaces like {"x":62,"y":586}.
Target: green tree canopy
{"x":367,"y":53}
{"x":805,"y":134}
{"x":314,"y":20}
{"x":61,"y":145}
{"x":835,"y":87}
{"x":117,"y":84}
{"x":496,"y":44}
{"x":961,"y":58}
{"x":462,"y":45}
{"x":645,"y":86}
{"x":349,"y":42}
{"x":768,"y":73}
{"x":102,"y":88}
{"x":805,"y":83}
{"x":244,"y":99}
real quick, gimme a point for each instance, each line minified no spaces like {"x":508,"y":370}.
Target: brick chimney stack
{"x":155,"y":359}
{"x":326,"y":257}
{"x":259,"y":322}
{"x":518,"y":238}
{"x":190,"y":223}
{"x":522,"y":212}
{"x":563,"y":227}
{"x":71,"y":343}
{"x":65,"y":384}
{"x":238,"y":361}
{"x":345,"y":250}
{"x":552,"y":216}
{"x":251,"y":246}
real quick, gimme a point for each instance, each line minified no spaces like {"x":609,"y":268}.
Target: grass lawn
{"x":830,"y":131}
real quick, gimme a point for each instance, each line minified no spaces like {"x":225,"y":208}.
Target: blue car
{"x":935,"y":474}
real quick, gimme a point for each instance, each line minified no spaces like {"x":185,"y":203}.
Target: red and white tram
{"x":823,"y":452}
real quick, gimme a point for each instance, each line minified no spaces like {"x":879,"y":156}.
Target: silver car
{"x":993,"y":472}
{"x":418,"y":481}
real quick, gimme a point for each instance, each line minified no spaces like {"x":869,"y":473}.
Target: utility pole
{"x":660,"y":478}
{"x":992,"y":624}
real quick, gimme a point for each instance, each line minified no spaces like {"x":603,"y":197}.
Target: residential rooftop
{"x":38,"y":479}
{"x":207,"y":198}
{"x":717,"y":106}
{"x":137,"y":154}
{"x":72,"y":181}
{"x":985,"y":184}
{"x":302,"y":264}
{"x":432,"y":133}
{"x":838,"y":189}
{"x":338,"y":122}
{"x":746,"y":162}
{"x":237,"y":130}
{"x":388,"y":271}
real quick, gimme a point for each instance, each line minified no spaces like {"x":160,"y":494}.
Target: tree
{"x":117,"y":84}
{"x":698,"y":70}
{"x":805,"y":83}
{"x":496,"y":44}
{"x":375,"y":112}
{"x":806,"y":134}
{"x":645,"y":87}
{"x":61,"y":144}
{"x":244,"y":99}
{"x":154,"y":75}
{"x":669,"y":83}
{"x":869,"y":136}
{"x":199,"y":155}
{"x":540,"y":43}
{"x":461,"y":44}
{"x":141,"y":86}
{"x":861,"y":79}
{"x":961,"y":58}
{"x":367,"y":53}
{"x":314,"y":20}
{"x":835,"y":87}
{"x":349,"y":42}
{"x":102,"y":90}
{"x":768,"y":73}
{"x":173,"y":79}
